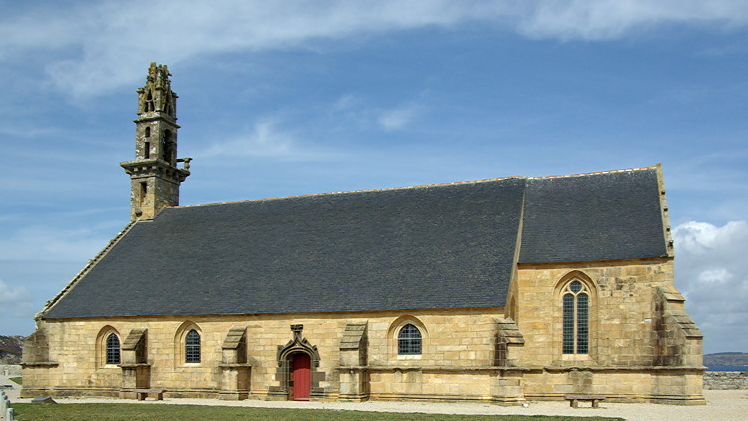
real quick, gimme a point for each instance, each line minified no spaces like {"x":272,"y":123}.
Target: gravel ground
{"x":723,"y":405}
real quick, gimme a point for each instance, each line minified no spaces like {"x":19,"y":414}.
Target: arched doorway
{"x":297,"y":374}
{"x":301,"y":376}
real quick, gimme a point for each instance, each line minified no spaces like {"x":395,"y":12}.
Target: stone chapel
{"x":500,"y":290}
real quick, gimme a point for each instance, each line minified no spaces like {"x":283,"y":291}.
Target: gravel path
{"x":723,"y":405}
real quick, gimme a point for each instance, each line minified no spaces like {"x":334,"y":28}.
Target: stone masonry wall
{"x":724,"y":380}
{"x":620,"y":317}
{"x":623,"y":361}
{"x":452,"y":340}
{"x":458,"y":359}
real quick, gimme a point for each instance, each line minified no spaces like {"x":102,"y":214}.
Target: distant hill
{"x":726,"y":358}
{"x":11,"y":349}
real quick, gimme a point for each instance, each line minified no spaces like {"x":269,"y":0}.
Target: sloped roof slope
{"x":444,"y":246}
{"x":590,"y":217}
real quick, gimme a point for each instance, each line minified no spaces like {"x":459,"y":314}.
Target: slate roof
{"x":442,"y":246}
{"x":603,"y":216}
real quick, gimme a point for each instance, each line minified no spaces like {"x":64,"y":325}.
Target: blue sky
{"x":297,"y":97}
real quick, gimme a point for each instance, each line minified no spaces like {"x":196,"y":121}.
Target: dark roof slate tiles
{"x":592,"y":217}
{"x":447,"y":246}
{"x":443,"y":246}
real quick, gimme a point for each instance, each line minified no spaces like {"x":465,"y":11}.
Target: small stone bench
{"x":143,"y":393}
{"x":574,"y":400}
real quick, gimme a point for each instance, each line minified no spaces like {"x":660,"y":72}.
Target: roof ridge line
{"x":421,"y":186}
{"x":654,"y":167}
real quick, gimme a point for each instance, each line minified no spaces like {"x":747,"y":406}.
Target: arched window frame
{"x":196,"y":355}
{"x":393,"y":335}
{"x":192,"y":347}
{"x":576,"y":321}
{"x":103,"y":354}
{"x":589,"y":289}
{"x":113,"y":349}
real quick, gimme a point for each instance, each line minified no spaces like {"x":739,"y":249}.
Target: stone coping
{"x":235,"y":365}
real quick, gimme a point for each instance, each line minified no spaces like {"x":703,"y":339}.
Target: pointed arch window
{"x":168,"y":109}
{"x":409,"y":340}
{"x":112,"y":349}
{"x":168,"y":147}
{"x":192,"y":347}
{"x":576,"y":303}
{"x":149,"y":106}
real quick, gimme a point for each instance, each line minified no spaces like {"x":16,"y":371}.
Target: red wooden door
{"x":302,"y":376}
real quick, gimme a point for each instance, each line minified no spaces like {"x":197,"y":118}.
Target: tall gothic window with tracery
{"x":409,"y":340}
{"x":576,"y":303}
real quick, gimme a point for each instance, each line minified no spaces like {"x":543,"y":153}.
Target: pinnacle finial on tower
{"x":156,"y":96}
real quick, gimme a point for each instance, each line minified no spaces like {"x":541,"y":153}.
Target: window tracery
{"x":576,"y":298}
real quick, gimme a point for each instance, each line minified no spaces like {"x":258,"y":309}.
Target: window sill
{"x":409,"y":357}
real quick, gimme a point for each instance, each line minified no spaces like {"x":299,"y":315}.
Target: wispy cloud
{"x":265,"y":140}
{"x":101,"y":47}
{"x":351,"y":109}
{"x":15,"y":301}
{"x":346,"y":103}
{"x":399,"y":117}
{"x":712,"y":272}
{"x":609,"y":19}
{"x":45,"y":244}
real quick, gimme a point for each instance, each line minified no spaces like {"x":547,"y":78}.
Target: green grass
{"x":17,"y":380}
{"x":140,"y":412}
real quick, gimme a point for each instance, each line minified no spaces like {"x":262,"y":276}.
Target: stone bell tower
{"x":154,"y":176}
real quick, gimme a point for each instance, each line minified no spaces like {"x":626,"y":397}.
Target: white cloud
{"x":44,"y":244}
{"x":398,"y":118}
{"x":16,"y":301}
{"x":101,"y":47}
{"x":608,"y":19}
{"x":346,"y":102}
{"x":352,"y":108}
{"x":264,"y":140}
{"x":712,"y":272}
{"x":714,"y":276}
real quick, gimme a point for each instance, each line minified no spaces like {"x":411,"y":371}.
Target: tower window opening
{"x":147,"y":150}
{"x":169,"y":145}
{"x":143,"y":191}
{"x":149,"y":106}
{"x":167,"y":106}
{"x":147,"y":132}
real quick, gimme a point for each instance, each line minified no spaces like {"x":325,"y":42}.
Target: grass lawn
{"x":17,"y":380}
{"x":130,"y":412}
